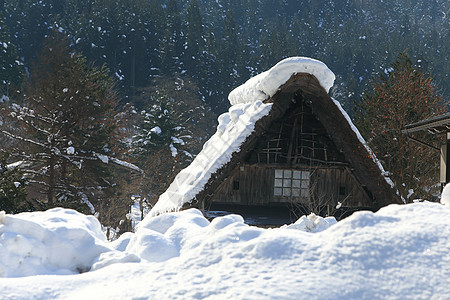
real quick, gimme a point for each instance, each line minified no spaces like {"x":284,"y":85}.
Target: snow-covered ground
{"x":399,"y":252}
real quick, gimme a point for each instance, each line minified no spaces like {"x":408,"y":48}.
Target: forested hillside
{"x":88,"y":84}
{"x":220,"y":44}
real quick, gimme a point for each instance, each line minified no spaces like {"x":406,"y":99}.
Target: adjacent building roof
{"x":437,"y":124}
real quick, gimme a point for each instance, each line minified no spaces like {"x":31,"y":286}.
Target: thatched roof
{"x":363,"y":162}
{"x":227,"y":149}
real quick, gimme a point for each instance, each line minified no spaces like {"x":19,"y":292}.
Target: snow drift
{"x":399,"y":252}
{"x":58,"y":241}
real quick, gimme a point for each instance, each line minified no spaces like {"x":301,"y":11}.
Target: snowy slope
{"x":400,"y":252}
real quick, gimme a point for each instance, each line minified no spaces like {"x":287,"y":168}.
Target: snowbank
{"x":58,"y":241}
{"x":266,"y":84}
{"x":445,"y":197}
{"x":400,"y":252}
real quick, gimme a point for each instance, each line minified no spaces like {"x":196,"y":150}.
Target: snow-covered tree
{"x":65,"y":126}
{"x":171,"y":51}
{"x":402,"y":95}
{"x":11,"y":68}
{"x":169,"y":130}
{"x":166,"y":122}
{"x":195,"y":39}
{"x":12,"y":187}
{"x":159,"y":127}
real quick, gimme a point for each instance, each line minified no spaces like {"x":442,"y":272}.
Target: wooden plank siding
{"x":333,"y":185}
{"x":254,"y":185}
{"x":247,"y":185}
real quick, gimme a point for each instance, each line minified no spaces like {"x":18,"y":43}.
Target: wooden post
{"x":445,"y":167}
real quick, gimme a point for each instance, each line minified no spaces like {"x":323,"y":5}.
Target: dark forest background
{"x":220,"y":44}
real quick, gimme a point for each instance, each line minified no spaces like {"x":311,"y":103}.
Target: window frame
{"x":291,"y":183}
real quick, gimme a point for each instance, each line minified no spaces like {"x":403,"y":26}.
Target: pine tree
{"x":158,"y":127}
{"x":194,"y":39}
{"x":12,"y":187}
{"x":172,"y":42}
{"x":67,"y":126}
{"x":169,"y":132}
{"x":29,"y":21}
{"x":132,"y":17}
{"x":138,"y":39}
{"x":228,"y":64}
{"x":402,"y":96}
{"x":11,"y":68}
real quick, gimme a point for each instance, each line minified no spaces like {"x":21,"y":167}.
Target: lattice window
{"x":291,"y":183}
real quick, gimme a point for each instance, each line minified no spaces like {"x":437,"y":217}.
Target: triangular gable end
{"x":304,"y":150}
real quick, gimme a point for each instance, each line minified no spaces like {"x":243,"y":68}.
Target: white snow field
{"x":399,"y":252}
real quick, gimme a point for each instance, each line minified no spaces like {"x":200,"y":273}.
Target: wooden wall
{"x":333,"y":185}
{"x":247,"y":185}
{"x":255,"y":184}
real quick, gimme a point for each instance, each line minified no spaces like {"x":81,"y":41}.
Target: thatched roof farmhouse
{"x":284,"y":141}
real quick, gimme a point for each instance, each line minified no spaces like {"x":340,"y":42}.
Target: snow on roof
{"x":235,"y":126}
{"x":266,"y":84}
{"x":363,"y":141}
{"x":233,"y":129}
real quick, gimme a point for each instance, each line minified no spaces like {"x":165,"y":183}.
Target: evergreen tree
{"x":132,"y":19}
{"x":155,"y":34}
{"x":11,"y":68}
{"x":12,"y":187}
{"x":195,"y":40}
{"x":138,"y":39}
{"x":29,"y":21}
{"x":169,"y":132}
{"x":403,"y":96}
{"x":172,"y":42}
{"x":229,"y":64}
{"x":67,"y":126}
{"x":158,"y":126}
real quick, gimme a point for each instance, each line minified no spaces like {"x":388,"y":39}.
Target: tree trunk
{"x":51,"y":184}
